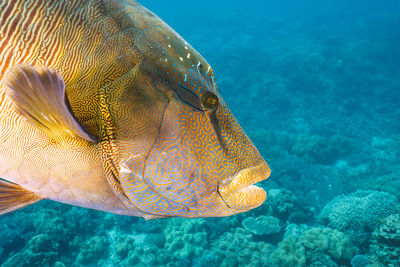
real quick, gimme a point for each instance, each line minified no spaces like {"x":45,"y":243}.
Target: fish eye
{"x":210,"y":101}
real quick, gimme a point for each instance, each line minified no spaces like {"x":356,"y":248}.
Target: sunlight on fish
{"x":106,"y":107}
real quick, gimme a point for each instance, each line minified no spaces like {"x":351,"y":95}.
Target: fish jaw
{"x":241,"y":193}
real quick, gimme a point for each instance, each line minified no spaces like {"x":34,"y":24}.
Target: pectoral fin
{"x":13,"y":197}
{"x":38,"y":94}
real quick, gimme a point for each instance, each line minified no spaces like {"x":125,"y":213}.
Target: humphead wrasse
{"x":104,"y":106}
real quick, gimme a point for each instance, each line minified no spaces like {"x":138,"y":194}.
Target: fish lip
{"x":247,"y":177}
{"x":240,"y":193}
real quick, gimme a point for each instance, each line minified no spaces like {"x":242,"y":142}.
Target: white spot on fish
{"x":124,"y":168}
{"x":208,"y":70}
{"x":188,"y":55}
{"x":181,"y":58}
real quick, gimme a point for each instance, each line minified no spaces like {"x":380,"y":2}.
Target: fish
{"x":104,"y":106}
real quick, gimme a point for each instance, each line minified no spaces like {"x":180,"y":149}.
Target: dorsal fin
{"x":38,"y":94}
{"x":13,"y":197}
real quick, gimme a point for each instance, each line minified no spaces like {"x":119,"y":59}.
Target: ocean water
{"x":316,"y":86}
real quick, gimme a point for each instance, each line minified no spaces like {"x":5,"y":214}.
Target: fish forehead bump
{"x":168,"y":53}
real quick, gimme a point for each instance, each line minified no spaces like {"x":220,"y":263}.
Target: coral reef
{"x":314,"y":247}
{"x":263,"y":225}
{"x":318,"y":94}
{"x":358,"y":214}
{"x":236,"y":248}
{"x":385,"y":244}
{"x":280,"y":202}
{"x":185,"y":239}
{"x":92,"y":250}
{"x":320,"y":149}
{"x":359,"y":261}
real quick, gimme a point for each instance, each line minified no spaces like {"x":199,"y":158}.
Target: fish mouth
{"x":241,"y":193}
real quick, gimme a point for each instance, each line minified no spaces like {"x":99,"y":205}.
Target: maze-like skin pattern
{"x":135,"y":85}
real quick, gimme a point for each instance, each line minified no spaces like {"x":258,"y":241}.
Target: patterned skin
{"x":166,"y":143}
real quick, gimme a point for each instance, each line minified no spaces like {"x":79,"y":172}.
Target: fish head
{"x":181,"y":152}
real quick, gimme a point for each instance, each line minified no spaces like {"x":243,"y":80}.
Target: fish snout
{"x":241,"y":193}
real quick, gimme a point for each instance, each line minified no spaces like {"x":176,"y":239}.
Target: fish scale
{"x":149,"y":146}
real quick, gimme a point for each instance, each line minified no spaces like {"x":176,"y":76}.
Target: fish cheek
{"x":238,"y":147}
{"x":180,"y":174}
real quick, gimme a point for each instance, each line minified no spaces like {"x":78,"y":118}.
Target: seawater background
{"x":316,"y":85}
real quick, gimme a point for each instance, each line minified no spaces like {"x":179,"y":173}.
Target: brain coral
{"x":385,"y":245}
{"x":314,"y":247}
{"x":263,"y":225}
{"x":358,"y":214}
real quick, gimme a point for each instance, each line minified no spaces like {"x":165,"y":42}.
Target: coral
{"x":237,"y":249}
{"x":150,"y":250}
{"x":28,"y":258}
{"x":186,"y":238}
{"x":263,"y":225}
{"x":133,"y":258}
{"x":385,"y":244}
{"x":51,"y":222}
{"x":123,"y":246}
{"x":157,"y":240}
{"x":290,"y":252}
{"x":137,"y":249}
{"x":42,"y":243}
{"x":294,"y":229}
{"x":147,"y":254}
{"x":358,"y":214}
{"x":41,"y":251}
{"x":314,"y":247}
{"x":308,"y":92}
{"x":333,"y":242}
{"x":92,"y":250}
{"x":359,"y":261}
{"x":281,"y":201}
{"x":206,"y":260}
{"x":320,"y":149}
{"x":12,"y":237}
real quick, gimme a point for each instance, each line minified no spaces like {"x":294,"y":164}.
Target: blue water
{"x":316,"y":86}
